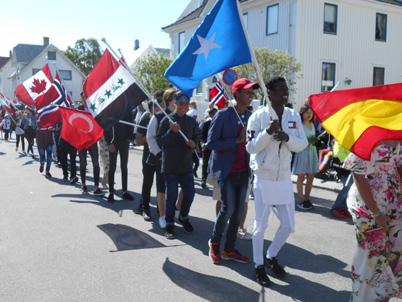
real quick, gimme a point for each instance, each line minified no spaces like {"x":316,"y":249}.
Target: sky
{"x":65,"y":22}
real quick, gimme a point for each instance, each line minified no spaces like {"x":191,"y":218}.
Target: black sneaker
{"x":261,"y":276}
{"x":98,"y":192}
{"x":204,"y":184}
{"x":65,"y":178}
{"x":276,"y":269}
{"x":73,"y":180}
{"x":127,"y":196}
{"x":110,"y":198}
{"x":138,"y":210}
{"x":186,"y":225}
{"x":169,"y":232}
{"x":84,"y":189}
{"x":305,"y":205}
{"x":48,"y":175}
{"x":146,"y":214}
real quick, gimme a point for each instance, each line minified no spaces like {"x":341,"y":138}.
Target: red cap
{"x":243,"y":83}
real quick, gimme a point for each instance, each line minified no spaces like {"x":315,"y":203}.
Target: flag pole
{"x":141,"y":86}
{"x":260,"y":79}
{"x":132,"y":124}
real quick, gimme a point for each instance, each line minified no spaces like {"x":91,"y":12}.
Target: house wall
{"x":353,"y":48}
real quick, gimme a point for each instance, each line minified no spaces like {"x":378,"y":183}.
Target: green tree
{"x":150,"y":71}
{"x":84,"y":54}
{"x":272,"y":63}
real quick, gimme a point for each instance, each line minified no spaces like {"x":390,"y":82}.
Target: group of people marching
{"x":241,"y":151}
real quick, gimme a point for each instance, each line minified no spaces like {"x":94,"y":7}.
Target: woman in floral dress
{"x":376,"y":207}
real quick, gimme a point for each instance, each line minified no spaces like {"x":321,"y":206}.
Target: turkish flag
{"x":38,"y":89}
{"x":79,"y":128}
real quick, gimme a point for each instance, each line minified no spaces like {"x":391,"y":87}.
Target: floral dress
{"x":377,"y":263}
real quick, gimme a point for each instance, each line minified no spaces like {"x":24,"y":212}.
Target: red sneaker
{"x":338,"y":213}
{"x":214,"y":252}
{"x":41,"y":168}
{"x":346,"y":213}
{"x":235,"y":256}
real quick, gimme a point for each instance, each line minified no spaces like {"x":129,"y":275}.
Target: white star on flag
{"x":206,"y":45}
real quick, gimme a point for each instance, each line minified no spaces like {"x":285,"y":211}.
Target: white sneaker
{"x":162,"y":222}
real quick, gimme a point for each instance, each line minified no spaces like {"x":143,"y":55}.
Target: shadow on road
{"x":208,"y":287}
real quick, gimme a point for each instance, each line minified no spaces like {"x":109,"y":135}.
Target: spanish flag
{"x":360,"y":118}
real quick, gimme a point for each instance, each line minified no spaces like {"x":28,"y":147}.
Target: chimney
{"x":45,"y":41}
{"x":136,"y":44}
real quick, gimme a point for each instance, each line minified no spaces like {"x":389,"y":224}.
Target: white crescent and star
{"x":75,"y":116}
{"x":206,"y":45}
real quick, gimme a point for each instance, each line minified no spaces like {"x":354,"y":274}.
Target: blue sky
{"x":64,"y":22}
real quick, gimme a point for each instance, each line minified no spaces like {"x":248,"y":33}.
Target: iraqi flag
{"x":217,"y":95}
{"x":7,"y":104}
{"x":360,"y":118}
{"x":79,"y":128}
{"x":38,"y":89}
{"x":111,"y":91}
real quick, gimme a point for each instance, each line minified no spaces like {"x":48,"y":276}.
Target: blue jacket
{"x":222,"y":137}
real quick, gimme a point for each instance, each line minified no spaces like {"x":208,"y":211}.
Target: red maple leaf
{"x":38,"y":86}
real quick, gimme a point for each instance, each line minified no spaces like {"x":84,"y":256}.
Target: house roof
{"x":191,"y":16}
{"x":163,"y":51}
{"x":3,"y":61}
{"x":395,"y":2}
{"x":25,"y":53}
{"x":197,"y":12}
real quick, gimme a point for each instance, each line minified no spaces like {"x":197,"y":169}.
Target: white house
{"x":355,"y":42}
{"x":27,"y":59}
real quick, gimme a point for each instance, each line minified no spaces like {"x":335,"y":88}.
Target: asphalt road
{"x":57,"y":244}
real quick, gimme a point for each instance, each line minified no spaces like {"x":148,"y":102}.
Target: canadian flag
{"x":38,"y":89}
{"x":7,"y":104}
{"x":111,"y":91}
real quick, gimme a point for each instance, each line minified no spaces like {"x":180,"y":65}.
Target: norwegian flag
{"x":7,"y":104}
{"x":217,"y":95}
{"x":38,"y":89}
{"x":50,"y":114}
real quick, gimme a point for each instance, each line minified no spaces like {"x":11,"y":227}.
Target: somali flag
{"x":217,"y":44}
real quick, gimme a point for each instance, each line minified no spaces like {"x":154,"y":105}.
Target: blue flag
{"x":217,"y":44}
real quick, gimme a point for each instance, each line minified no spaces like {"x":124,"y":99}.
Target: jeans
{"x":233,"y":198}
{"x":45,"y":155}
{"x":340,"y":202}
{"x":93,"y":152}
{"x":186,"y":182}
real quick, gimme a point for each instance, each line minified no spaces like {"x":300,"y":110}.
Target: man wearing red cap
{"x":229,"y":166}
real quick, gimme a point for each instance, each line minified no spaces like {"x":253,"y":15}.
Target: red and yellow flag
{"x":360,"y":118}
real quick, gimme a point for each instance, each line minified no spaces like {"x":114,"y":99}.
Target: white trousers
{"x":286,"y":216}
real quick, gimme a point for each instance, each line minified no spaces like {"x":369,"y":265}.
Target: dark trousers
{"x":186,"y":182}
{"x":196,"y":162}
{"x":122,"y":150}
{"x":93,"y":152}
{"x":233,"y":197}
{"x":64,"y":151}
{"x":17,"y":142}
{"x":148,"y":173}
{"x":206,"y":154}
{"x":6,"y":134}
{"x":30,"y":137}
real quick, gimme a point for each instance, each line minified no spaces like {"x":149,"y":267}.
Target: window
{"x":330,"y":18}
{"x":328,"y":76}
{"x":381,"y":27}
{"x":378,"y":76}
{"x":35,"y":70}
{"x":51,"y":55}
{"x":245,"y":20}
{"x":65,"y":75}
{"x":181,"y":41}
{"x":272,"y":19}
